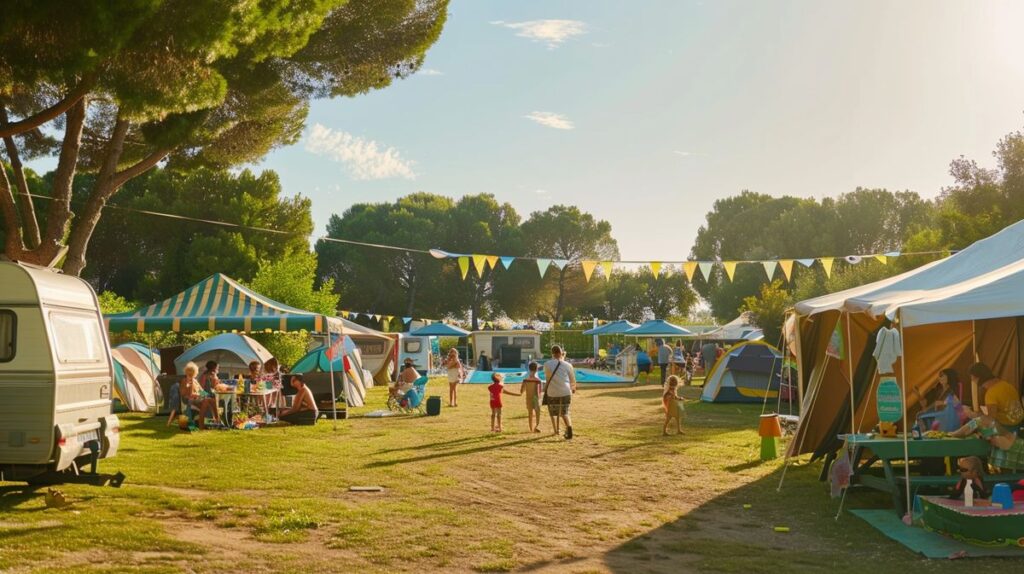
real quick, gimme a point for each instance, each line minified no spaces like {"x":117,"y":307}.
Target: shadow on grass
{"x":451,"y":453}
{"x":721,"y":535}
{"x":444,"y":444}
{"x":13,"y":496}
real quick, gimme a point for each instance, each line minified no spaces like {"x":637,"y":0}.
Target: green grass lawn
{"x":617,"y":498}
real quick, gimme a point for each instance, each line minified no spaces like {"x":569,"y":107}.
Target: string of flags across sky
{"x":481,"y":263}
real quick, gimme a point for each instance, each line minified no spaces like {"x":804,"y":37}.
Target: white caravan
{"x":56,"y":377}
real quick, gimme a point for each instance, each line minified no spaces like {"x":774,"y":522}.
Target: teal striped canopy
{"x":219,"y":303}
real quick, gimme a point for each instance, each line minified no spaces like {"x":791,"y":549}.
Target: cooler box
{"x":433,"y":406}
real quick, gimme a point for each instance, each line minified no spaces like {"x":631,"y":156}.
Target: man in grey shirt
{"x":560,"y":384}
{"x":664,"y":358}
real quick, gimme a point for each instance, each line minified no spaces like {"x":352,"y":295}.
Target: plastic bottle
{"x":238,"y":384}
{"x":969,"y":494}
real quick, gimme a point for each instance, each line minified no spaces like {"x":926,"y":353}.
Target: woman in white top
{"x":456,"y":373}
{"x":559,"y":387}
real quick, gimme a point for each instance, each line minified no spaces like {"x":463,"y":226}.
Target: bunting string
{"x":481,"y":262}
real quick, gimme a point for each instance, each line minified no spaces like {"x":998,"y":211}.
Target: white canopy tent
{"x":952,"y":312}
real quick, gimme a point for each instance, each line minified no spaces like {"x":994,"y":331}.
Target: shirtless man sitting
{"x":303,"y":410}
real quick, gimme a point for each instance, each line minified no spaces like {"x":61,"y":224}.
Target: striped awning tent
{"x":219,"y":303}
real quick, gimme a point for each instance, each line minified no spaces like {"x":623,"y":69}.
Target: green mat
{"x":929,"y":544}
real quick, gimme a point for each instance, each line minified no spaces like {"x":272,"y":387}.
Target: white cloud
{"x":551,"y":120}
{"x":683,"y":153}
{"x":540,"y":191}
{"x":430,"y":72}
{"x":550,"y":32}
{"x":364,"y":159}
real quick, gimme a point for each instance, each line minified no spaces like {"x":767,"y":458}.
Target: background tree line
{"x":148,"y":106}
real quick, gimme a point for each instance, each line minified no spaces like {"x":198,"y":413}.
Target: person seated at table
{"x":971,"y":470}
{"x":255,"y":372}
{"x":1001,"y":401}
{"x":272,"y":374}
{"x":193,"y":396}
{"x":1007,"y":454}
{"x":271,"y":378}
{"x":303,"y":410}
{"x":208,"y":380}
{"x":943,"y":396}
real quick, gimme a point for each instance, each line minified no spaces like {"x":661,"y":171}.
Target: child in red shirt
{"x":496,"y":388}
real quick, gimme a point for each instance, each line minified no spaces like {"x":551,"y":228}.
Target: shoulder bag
{"x":547,"y":384}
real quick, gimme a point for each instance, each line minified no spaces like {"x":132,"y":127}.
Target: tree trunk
{"x":14,"y":247}
{"x":108,"y":181}
{"x":43,"y":116}
{"x":560,"y":301}
{"x":410,"y":299}
{"x":60,"y":206}
{"x":29,"y":224}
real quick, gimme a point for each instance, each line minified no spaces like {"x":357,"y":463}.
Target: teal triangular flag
{"x":506,"y":262}
{"x":805,"y":262}
{"x":407,"y":319}
{"x":561,"y":263}
{"x":705,"y":269}
{"x":354,"y":315}
{"x":542,"y":266}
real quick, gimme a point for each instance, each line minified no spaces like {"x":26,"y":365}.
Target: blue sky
{"x":645,"y":112}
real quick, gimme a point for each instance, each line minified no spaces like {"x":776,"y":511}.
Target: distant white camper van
{"x":56,"y":377}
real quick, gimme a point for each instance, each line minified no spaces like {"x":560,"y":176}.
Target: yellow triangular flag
{"x":730,"y":268}
{"x":480,"y":263}
{"x":606,"y":266}
{"x":389,"y":318}
{"x":588,"y":268}
{"x":787,"y":267}
{"x":826,"y":264}
{"x":656,"y":268}
{"x":882,"y":258}
{"x":492,"y":260}
{"x":464,"y":266}
{"x":344,"y":314}
{"x":689,"y":267}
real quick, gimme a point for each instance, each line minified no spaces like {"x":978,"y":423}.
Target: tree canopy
{"x":191,"y":83}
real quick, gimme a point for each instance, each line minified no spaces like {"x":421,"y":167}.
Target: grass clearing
{"x":617,"y":498}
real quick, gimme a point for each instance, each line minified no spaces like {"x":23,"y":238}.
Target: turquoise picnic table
{"x":889,"y":450}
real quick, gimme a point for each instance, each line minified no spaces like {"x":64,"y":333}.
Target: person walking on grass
{"x":664,"y":358}
{"x":456,"y":374}
{"x":531,"y":390}
{"x":496,"y":388}
{"x":558,"y":391}
{"x":673,"y":405}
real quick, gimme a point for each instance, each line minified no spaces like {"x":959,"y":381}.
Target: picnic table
{"x":867,"y":451}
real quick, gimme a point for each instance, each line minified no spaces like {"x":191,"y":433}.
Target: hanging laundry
{"x":888,"y":348}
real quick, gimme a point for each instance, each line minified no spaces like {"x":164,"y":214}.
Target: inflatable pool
{"x":583,"y":376}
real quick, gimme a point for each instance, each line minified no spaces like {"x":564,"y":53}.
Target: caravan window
{"x":413,"y":346}
{"x":523,"y":342}
{"x":8,"y":335}
{"x":77,"y":337}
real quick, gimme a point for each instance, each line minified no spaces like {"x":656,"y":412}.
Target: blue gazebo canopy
{"x":658,"y":327}
{"x":614,"y":328}
{"x":439,"y":330}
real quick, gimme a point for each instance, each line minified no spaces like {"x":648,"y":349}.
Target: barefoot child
{"x":496,"y":388}
{"x":673,"y":405}
{"x":531,"y":389}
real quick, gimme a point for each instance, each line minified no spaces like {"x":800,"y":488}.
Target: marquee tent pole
{"x":974,"y":354}
{"x":849,"y":363}
{"x":906,"y":430}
